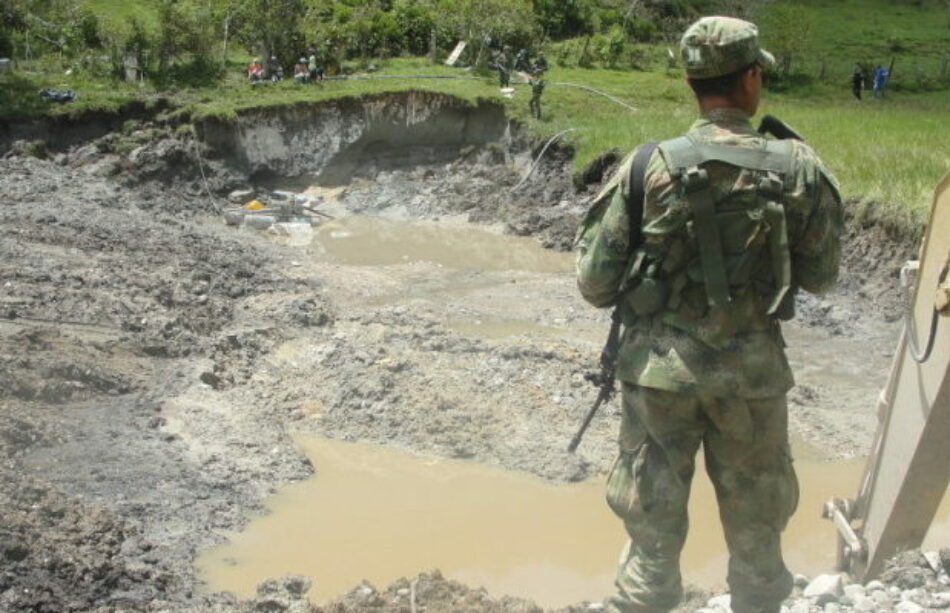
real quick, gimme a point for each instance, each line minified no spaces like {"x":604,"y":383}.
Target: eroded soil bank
{"x":156,"y":361}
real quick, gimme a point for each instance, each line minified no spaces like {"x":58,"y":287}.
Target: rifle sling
{"x":636,"y":191}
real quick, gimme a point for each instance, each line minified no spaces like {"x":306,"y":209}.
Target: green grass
{"x":875,"y":31}
{"x":892,"y":151}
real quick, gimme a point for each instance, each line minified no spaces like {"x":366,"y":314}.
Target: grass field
{"x":915,"y":34}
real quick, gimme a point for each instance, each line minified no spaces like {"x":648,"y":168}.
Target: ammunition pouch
{"x":650,"y":293}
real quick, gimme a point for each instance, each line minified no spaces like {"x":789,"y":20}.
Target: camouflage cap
{"x":715,"y":46}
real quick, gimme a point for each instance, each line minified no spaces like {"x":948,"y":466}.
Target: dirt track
{"x":155,"y":362}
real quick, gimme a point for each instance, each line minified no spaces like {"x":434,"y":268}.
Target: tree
{"x":12,"y":21}
{"x":509,"y":22}
{"x":786,"y":30}
{"x":270,"y":27}
{"x":564,"y":18}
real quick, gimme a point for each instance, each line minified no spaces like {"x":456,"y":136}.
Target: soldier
{"x":540,"y":64}
{"x":732,"y":224}
{"x":521,"y":60}
{"x":504,"y":69}
{"x":857,"y":81}
{"x":537,"y":88}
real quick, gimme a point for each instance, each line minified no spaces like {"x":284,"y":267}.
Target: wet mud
{"x":156,"y":362}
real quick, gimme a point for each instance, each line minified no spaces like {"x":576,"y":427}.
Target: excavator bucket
{"x":909,"y":466}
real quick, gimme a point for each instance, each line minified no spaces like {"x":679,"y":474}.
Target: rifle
{"x":608,"y":355}
{"x":779,"y":129}
{"x":608,"y":366}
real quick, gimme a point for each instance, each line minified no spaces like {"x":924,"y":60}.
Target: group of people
{"x":522,"y":63}
{"x":502,"y":63}
{"x":879,"y":78}
{"x":306,"y":69}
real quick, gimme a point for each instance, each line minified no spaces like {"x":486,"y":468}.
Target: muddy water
{"x":378,"y":514}
{"x":373,"y":513}
{"x":374,"y":241}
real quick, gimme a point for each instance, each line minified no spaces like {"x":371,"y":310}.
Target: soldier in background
{"x":503,"y":65}
{"x":521,"y":60}
{"x":729,"y":221}
{"x":537,"y":88}
{"x":857,"y":81}
{"x":540,"y":64}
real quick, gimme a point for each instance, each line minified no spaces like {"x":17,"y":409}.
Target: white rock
{"x":863,"y":604}
{"x":801,"y":606}
{"x":941,"y":600}
{"x":240,"y":196}
{"x":909,"y":607}
{"x":880,"y":597}
{"x":854,"y":591}
{"x":933,"y":559}
{"x":595,"y":606}
{"x":832,"y":607}
{"x":825,"y":589}
{"x":874,"y":586}
{"x":722,"y":602}
{"x":917,"y":596}
{"x":894,"y":591}
{"x":403,"y":591}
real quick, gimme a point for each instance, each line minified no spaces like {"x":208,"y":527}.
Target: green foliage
{"x":415,"y":24}
{"x":611,"y":46}
{"x":786,"y":31}
{"x":564,"y":18}
{"x":184,"y":43}
{"x":271,"y":28}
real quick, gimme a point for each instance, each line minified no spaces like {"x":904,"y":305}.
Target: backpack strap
{"x":637,"y":191}
{"x":683,"y":152}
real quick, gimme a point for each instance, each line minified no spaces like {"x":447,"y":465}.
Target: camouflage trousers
{"x":747,"y":455}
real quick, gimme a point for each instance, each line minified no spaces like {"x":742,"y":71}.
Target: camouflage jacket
{"x":666,"y":350}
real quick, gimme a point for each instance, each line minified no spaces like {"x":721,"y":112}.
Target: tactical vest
{"x":734,"y":236}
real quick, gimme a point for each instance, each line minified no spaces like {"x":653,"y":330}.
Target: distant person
{"x":537,"y":88}
{"x":275,"y":72}
{"x":255,"y":70}
{"x":857,"y":82}
{"x":301,"y":71}
{"x":521,"y":60}
{"x":316,"y":72}
{"x":880,"y":81}
{"x":502,"y":64}
{"x":540,"y":65}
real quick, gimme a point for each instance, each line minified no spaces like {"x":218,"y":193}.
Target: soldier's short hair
{"x":723,"y":85}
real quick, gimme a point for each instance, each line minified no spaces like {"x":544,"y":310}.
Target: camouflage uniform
{"x":504,"y":70}
{"x":690,"y":375}
{"x":534,"y":105}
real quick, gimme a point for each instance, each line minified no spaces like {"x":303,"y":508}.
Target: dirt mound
{"x":59,"y":554}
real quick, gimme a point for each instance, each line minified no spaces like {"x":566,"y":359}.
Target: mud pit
{"x":156,"y":362}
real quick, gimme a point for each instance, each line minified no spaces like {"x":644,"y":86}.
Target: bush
{"x":611,"y":46}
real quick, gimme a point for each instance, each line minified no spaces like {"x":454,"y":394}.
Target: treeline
{"x":190,"y":40}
